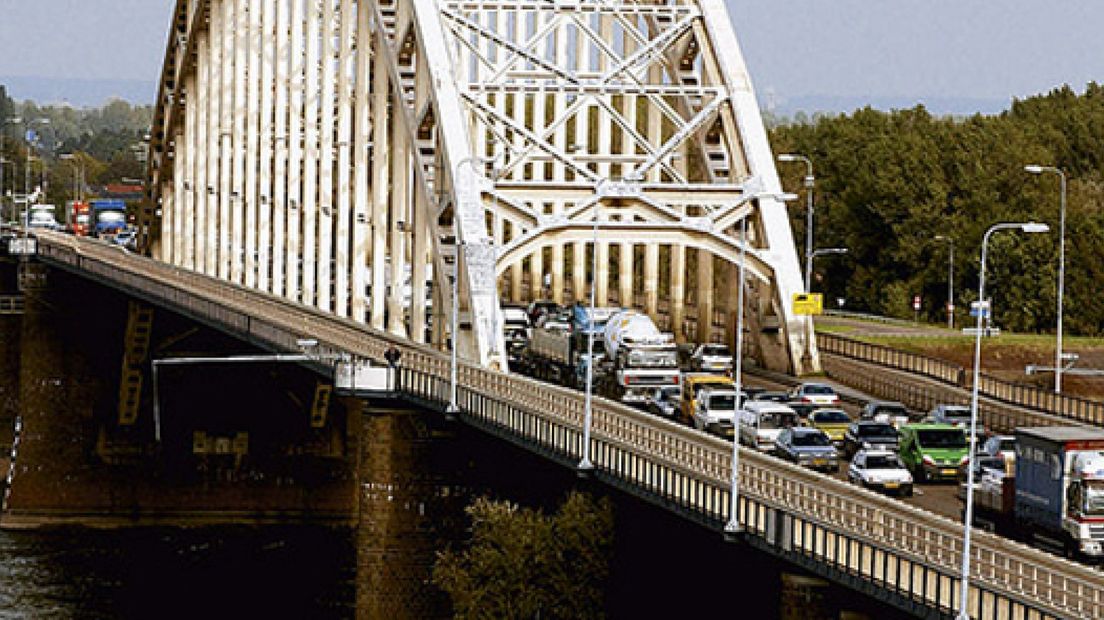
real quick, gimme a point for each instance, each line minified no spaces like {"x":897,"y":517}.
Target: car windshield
{"x":716,"y":350}
{"x":776,"y":419}
{"x":956,"y":414}
{"x":831,"y":417}
{"x":810,"y":439}
{"x":818,"y":389}
{"x":882,"y":461}
{"x":942,"y":438}
{"x":722,"y":402}
{"x":877,"y":430}
{"x":1094,"y":497}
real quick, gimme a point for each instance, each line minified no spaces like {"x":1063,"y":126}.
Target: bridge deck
{"x":901,"y":554}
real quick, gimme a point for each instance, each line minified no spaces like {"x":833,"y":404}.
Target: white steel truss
{"x":360,"y":156}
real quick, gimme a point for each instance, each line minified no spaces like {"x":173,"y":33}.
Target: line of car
{"x":889,"y":448}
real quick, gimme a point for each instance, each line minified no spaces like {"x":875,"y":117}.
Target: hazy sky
{"x":854,"y":51}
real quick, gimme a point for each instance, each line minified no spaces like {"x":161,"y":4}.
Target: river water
{"x":162,"y":573}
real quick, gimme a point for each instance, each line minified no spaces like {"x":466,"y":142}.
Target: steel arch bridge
{"x":360,"y":156}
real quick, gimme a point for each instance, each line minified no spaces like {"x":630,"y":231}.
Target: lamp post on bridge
{"x":585,"y":464}
{"x":1059,"y":359}
{"x":734,"y":527}
{"x":950,"y":280}
{"x":452,"y":409}
{"x":78,"y":179}
{"x":982,"y":309}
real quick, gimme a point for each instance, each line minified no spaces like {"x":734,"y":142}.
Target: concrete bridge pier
{"x":408,"y":508}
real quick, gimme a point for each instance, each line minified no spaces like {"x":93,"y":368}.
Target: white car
{"x":762,"y":421}
{"x":815,"y":393}
{"x":880,"y":470}
{"x":711,"y":358}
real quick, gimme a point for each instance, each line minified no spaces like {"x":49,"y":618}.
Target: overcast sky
{"x":800,"y":52}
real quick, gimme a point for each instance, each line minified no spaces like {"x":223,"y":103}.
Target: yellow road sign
{"x":812,"y":303}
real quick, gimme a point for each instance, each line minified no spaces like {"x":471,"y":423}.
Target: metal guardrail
{"x":1069,"y":407}
{"x":874,"y":543}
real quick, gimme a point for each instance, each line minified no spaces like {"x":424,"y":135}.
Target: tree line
{"x":108,"y":144}
{"x":887,"y":183}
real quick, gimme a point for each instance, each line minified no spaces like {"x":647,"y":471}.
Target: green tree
{"x":521,"y":563}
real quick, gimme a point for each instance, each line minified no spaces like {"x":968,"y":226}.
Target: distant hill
{"x":79,"y":93}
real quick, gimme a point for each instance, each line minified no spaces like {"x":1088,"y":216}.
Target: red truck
{"x":80,"y":220}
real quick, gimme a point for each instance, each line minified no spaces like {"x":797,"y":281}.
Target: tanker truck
{"x":642,"y":358}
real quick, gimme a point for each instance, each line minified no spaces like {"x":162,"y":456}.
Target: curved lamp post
{"x":982,"y":308}
{"x":1058,"y":357}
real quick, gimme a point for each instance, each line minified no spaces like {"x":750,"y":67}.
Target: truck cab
{"x":715,"y":411}
{"x":694,"y":383}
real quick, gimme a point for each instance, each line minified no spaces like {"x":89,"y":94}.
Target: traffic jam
{"x":1044,"y":486}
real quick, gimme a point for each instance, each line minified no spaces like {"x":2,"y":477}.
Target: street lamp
{"x":585,"y":464}
{"x":1058,"y":358}
{"x":78,"y":181}
{"x":950,"y":280}
{"x":453,"y":408}
{"x":810,"y":182}
{"x":982,"y":309}
{"x":734,"y":527}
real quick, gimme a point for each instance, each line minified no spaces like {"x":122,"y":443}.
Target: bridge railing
{"x":797,"y":512}
{"x":1070,"y":407}
{"x":874,"y":541}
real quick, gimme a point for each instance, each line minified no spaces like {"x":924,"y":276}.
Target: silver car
{"x":808,"y":447}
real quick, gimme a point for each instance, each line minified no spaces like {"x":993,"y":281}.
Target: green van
{"x":933,"y":451}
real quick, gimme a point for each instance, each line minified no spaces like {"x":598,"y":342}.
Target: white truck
{"x":642,"y":357}
{"x":557,"y":350}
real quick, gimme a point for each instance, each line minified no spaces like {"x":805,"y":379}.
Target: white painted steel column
{"x":186,"y":229}
{"x":362,"y":199}
{"x":311,"y":191}
{"x":280,"y":141}
{"x":651,"y":280}
{"x":297,"y":204}
{"x":678,"y":291}
{"x":400,"y":222}
{"x":267,"y":136}
{"x":237,"y":196}
{"x":199,"y":186}
{"x":344,"y":161}
{"x":226,"y":143}
{"x":252,"y":137}
{"x":625,"y":275}
{"x":705,"y":295}
{"x":214,"y":139}
{"x":167,"y":222}
{"x":381,"y":182}
{"x":326,"y":162}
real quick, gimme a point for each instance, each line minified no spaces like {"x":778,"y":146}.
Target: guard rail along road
{"x":1069,"y":407}
{"x":906,"y":556}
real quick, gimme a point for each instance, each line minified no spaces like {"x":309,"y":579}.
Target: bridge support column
{"x":678,"y":292}
{"x":651,"y":280}
{"x":578,"y":272}
{"x":601,"y":282}
{"x":381,"y":174}
{"x":625,"y":275}
{"x":400,"y":224}
{"x":705,"y":296}
{"x":400,"y":510}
